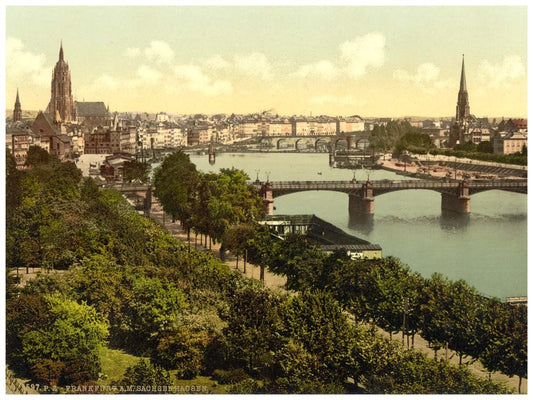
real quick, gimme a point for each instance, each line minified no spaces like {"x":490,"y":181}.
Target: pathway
{"x":277,"y":282}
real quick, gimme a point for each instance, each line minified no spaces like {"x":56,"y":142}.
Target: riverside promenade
{"x":441,"y":167}
{"x":277,"y":282}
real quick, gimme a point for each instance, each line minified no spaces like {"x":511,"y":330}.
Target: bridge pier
{"x":362,"y":202}
{"x":268,"y":198}
{"x":458,"y":202}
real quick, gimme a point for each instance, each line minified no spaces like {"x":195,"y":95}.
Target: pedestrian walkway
{"x":196,"y":241}
{"x":278,"y":282}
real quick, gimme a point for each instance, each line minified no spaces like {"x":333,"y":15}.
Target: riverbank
{"x":277,"y":282}
{"x":442,"y":167}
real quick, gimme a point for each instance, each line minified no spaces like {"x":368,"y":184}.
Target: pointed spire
{"x":61,"y":51}
{"x":462,"y":87}
{"x":17,"y":101}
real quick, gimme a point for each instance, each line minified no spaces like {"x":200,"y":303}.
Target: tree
{"x":504,"y":339}
{"x":258,"y":247}
{"x":37,"y":155}
{"x":152,"y":310}
{"x":145,"y":374}
{"x":135,"y":171}
{"x":69,"y":337}
{"x":299,"y":261}
{"x":183,"y":350}
{"x":318,"y":342}
{"x":175,"y":184}
{"x":252,"y":323}
{"x":225,"y":199}
{"x":236,"y":237}
{"x":485,"y":147}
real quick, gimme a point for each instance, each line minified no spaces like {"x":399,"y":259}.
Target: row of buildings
{"x":69,"y":128}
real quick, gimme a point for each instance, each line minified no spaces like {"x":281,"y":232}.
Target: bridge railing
{"x":382,"y":184}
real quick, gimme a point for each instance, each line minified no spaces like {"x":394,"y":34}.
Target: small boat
{"x":319,"y":173}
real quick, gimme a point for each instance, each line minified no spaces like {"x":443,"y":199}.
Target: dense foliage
{"x":111,"y":277}
{"x":399,"y":136}
{"x":481,"y":153}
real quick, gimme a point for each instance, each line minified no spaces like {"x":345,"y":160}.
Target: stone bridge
{"x":350,"y":140}
{"x":455,"y":195}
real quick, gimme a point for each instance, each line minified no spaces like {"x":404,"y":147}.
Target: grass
{"x":115,"y":363}
{"x":204,"y":382}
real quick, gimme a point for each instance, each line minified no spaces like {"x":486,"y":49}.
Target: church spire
{"x":463,"y":108}
{"x":61,"y":51}
{"x":462,"y":87}
{"x":17,"y":111}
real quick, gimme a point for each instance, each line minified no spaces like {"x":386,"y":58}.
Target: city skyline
{"x":369,"y":61}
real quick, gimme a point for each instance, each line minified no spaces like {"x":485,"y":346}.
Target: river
{"x":488,"y":249}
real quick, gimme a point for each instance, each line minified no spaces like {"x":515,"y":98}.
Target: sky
{"x":387,"y":61}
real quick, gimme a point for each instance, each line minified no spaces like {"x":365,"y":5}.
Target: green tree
{"x":485,"y":147}
{"x":504,"y":339}
{"x":299,"y":261}
{"x":135,"y":171}
{"x":153,"y":309}
{"x":259,"y":247}
{"x":145,"y":374}
{"x":236,"y":237}
{"x":252,"y":322}
{"x":183,"y":350}
{"x":175,"y":183}
{"x":70,"y":333}
{"x":37,"y":155}
{"x":317,"y":355}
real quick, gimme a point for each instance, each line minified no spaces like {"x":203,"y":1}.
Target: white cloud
{"x":22,"y":65}
{"x":159,"y":51}
{"x":339,"y":100}
{"x":363,"y":52}
{"x":133,"y":52}
{"x":217,"y":63}
{"x":498,"y":74}
{"x":322,"y":69}
{"x":197,"y":81}
{"x":105,"y":82}
{"x":427,"y":77}
{"x":148,"y":74}
{"x":254,"y":64}
{"x":355,"y":58}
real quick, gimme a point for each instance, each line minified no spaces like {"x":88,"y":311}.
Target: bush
{"x":246,"y":386}
{"x":230,"y":376}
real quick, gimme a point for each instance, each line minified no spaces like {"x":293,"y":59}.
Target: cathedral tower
{"x":61,"y":102}
{"x":17,"y":111}
{"x":463,"y":108}
{"x":459,"y":129}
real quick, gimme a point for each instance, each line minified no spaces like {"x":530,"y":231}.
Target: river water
{"x":488,"y":249}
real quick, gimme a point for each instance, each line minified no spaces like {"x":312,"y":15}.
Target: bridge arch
{"x":265,"y":143}
{"x":362,"y":143}
{"x":300,"y":144}
{"x":322,"y":143}
{"x":281,"y":141}
{"x":341,"y":143}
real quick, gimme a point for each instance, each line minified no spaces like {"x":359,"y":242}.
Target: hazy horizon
{"x":364,"y":60}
